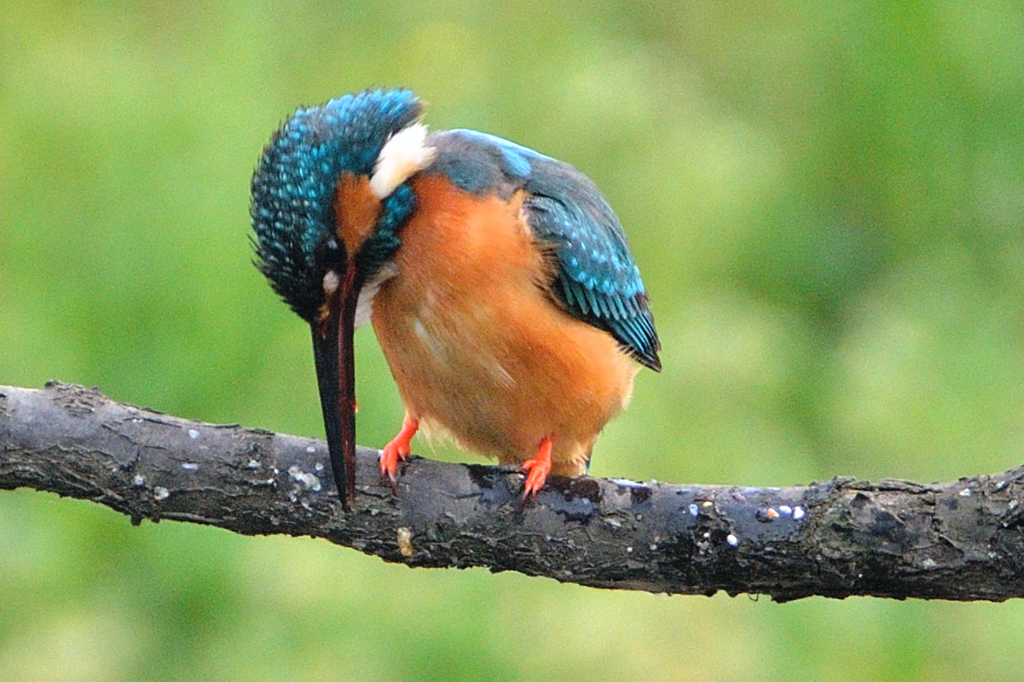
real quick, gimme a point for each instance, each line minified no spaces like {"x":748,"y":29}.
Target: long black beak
{"x":336,"y":378}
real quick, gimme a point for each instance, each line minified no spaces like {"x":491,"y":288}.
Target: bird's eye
{"x":331,"y":254}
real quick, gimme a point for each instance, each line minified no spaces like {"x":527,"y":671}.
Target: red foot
{"x":397,"y":450}
{"x":539,"y":468}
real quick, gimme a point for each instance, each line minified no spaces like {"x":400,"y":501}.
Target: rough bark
{"x":962,"y":540}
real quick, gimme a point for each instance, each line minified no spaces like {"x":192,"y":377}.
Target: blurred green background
{"x":827,"y":203}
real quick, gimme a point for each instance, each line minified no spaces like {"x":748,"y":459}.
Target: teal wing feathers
{"x":597,"y":280}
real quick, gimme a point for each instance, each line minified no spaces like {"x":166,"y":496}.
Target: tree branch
{"x":962,"y":540}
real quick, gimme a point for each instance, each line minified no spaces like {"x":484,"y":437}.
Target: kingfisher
{"x":499,"y":283}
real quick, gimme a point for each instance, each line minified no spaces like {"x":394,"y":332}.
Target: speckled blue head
{"x":294,"y":185}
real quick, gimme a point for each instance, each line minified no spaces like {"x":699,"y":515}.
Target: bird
{"x":499,"y":283}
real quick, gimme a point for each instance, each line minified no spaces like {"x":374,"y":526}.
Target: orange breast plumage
{"x":477,"y":344}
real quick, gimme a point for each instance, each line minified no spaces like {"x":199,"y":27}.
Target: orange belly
{"x":478,"y":347}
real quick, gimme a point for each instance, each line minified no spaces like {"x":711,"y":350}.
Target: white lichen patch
{"x":308,"y":480}
{"x":405,"y":541}
{"x":626,"y":483}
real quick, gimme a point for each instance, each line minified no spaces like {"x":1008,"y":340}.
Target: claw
{"x":539,"y":467}
{"x":397,"y":450}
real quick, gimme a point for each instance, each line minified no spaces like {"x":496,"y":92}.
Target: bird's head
{"x":329,"y":197}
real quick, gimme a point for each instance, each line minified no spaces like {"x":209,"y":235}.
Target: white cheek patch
{"x":403,"y":155}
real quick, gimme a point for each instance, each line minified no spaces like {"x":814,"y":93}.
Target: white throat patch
{"x":364,"y":305}
{"x":403,"y":155}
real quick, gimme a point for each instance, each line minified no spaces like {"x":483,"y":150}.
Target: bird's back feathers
{"x":596,"y":279}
